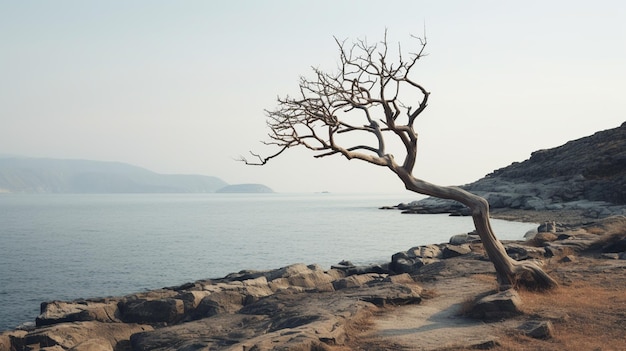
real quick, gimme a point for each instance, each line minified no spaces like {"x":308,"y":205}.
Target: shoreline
{"x":565,"y":217}
{"x":306,"y":306}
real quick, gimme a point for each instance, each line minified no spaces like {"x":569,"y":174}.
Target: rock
{"x":58,"y":312}
{"x":547,"y":227}
{"x":152,"y":311}
{"x":306,"y":321}
{"x":97,"y":344}
{"x":456,"y":250}
{"x":616,"y":244}
{"x":610,"y":256}
{"x":521,"y":252}
{"x":191,"y":299}
{"x":227,"y":301}
{"x":575,"y":244}
{"x":374,"y":268}
{"x":537,"y":329}
{"x":543,"y":237}
{"x":354,"y":281}
{"x":51,"y":348}
{"x":400,"y":279}
{"x":427,"y":251}
{"x":403,"y":265}
{"x":554,"y":250}
{"x":312,"y":280}
{"x":387,"y":294}
{"x":12,"y":340}
{"x":565,"y":236}
{"x":503,"y":304}
{"x":461,"y":239}
{"x":530,"y":234}
{"x":517,"y":252}
{"x":73,"y":334}
{"x":408,"y":262}
{"x":298,"y":268}
{"x":488,"y":344}
{"x":202,"y":334}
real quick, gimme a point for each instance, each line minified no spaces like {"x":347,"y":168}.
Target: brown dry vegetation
{"x":587,"y":315}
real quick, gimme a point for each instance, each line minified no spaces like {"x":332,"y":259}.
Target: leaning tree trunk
{"x":510,"y":273}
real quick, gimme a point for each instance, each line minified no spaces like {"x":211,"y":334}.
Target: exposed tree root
{"x":529,"y":275}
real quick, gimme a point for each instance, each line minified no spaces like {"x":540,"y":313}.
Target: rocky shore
{"x":307,"y":307}
{"x":580,"y":181}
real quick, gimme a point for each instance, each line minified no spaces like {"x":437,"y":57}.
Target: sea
{"x":70,"y":246}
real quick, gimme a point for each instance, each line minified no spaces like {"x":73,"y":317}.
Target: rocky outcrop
{"x":503,"y":304}
{"x":586,"y":175}
{"x":294,"y":307}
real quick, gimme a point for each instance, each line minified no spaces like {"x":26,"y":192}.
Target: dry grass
{"x":609,"y":231}
{"x":586,"y":316}
{"x":608,"y":225}
{"x":467,"y":305}
{"x":595,"y":230}
{"x":429,"y":293}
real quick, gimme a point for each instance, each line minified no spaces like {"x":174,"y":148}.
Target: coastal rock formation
{"x":587,"y":176}
{"x":297,"y":306}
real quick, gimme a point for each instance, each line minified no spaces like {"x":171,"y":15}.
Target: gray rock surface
{"x":537,"y":329}
{"x":294,"y":307}
{"x":497,"y":306}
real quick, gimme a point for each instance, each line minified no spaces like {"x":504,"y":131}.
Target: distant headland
{"x":47,"y":175}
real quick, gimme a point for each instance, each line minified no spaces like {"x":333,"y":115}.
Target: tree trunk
{"x":510,"y":273}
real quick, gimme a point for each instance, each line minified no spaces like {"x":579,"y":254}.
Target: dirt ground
{"x":587,"y":311}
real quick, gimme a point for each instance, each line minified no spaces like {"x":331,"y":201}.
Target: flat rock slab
{"x":288,"y":321}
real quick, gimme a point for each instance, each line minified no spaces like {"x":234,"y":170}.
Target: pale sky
{"x":180,"y":86}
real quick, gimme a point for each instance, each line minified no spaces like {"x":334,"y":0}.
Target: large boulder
{"x":227,"y":301}
{"x":73,"y":334}
{"x":500,"y":305}
{"x":55,"y":312}
{"x":167,"y":310}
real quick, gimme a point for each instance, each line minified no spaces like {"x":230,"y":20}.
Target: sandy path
{"x":434,"y":324}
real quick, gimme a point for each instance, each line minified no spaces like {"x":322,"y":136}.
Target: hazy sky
{"x":180,"y":86}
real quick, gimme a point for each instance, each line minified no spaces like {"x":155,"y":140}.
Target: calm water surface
{"x":79,"y":246}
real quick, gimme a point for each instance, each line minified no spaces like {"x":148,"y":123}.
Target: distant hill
{"x":44,"y":175}
{"x":245,"y":188}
